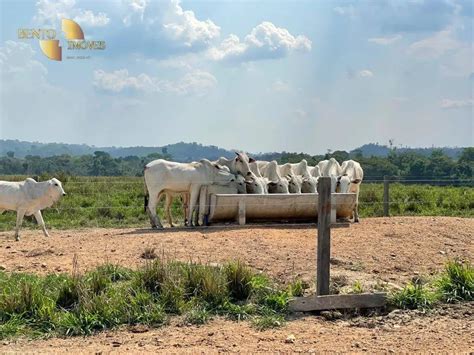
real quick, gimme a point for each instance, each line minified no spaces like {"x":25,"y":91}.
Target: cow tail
{"x":146,"y":191}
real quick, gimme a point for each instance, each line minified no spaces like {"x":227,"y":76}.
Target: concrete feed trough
{"x":275,"y":207}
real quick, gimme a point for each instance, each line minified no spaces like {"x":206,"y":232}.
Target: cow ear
{"x":356,"y":181}
{"x":252,"y":160}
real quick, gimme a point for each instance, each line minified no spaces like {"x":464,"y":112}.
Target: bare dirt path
{"x":376,"y":250}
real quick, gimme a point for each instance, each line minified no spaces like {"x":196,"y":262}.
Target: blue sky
{"x":257,"y":76}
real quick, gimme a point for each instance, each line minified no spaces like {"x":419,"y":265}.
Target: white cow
{"x":256,"y":184}
{"x":276,"y":183}
{"x":314,"y":171}
{"x":163,"y":175}
{"x":352,"y":176}
{"x":309,"y":182}
{"x":29,"y":198}
{"x":238,"y":165}
{"x":332,"y":169}
{"x":236,"y":187}
{"x":262,"y":165}
{"x":294,"y":181}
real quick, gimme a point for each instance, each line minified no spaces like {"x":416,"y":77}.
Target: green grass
{"x":110,"y":296}
{"x":413,"y":296}
{"x":118,"y":202}
{"x":457,"y":282}
{"x":417,"y":200}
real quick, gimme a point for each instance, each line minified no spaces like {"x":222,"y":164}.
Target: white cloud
{"x":196,"y":82}
{"x":17,"y":64}
{"x":453,"y":104}
{"x":436,"y":45}
{"x":184,"y":26}
{"x":51,"y":12}
{"x":384,"y":41}
{"x":266,"y":41}
{"x":345,"y":10}
{"x":365,"y":73}
{"x":135,"y":8}
{"x":88,"y":18}
{"x":120,"y":80}
{"x":173,"y":21}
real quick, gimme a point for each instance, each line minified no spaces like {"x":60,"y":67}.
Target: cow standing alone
{"x":29,"y":198}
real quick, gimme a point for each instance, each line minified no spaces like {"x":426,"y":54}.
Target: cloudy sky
{"x":259,"y":76}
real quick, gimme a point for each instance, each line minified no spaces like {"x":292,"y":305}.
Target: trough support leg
{"x":241,"y":212}
{"x":333,"y":212}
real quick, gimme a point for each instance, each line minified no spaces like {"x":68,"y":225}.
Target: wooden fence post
{"x":386,"y":197}
{"x":324,"y":236}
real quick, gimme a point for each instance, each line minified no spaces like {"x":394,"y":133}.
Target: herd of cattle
{"x":241,"y":175}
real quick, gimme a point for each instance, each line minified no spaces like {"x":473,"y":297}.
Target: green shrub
{"x":357,"y":287}
{"x":457,"y":282}
{"x":207,"y":283}
{"x":413,"y":296}
{"x":197,"y":315}
{"x":239,"y":278}
{"x":110,"y":296}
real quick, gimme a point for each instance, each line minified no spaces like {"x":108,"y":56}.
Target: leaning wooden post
{"x":386,"y":205}
{"x":324,"y":236}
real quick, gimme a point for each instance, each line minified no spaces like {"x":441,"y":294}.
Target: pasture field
{"x":406,"y":256}
{"x":119,"y":202}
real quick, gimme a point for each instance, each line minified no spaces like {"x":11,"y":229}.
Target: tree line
{"x":405,"y":165}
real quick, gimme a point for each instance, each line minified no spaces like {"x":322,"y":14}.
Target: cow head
{"x":255,"y":184}
{"x":55,"y":189}
{"x":346,"y":185}
{"x":241,"y":163}
{"x":294,"y":183}
{"x":278,"y":187}
{"x":216,"y":173}
{"x":309,"y":185}
{"x":240,"y":183}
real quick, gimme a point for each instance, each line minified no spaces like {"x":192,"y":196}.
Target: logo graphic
{"x":50,"y":45}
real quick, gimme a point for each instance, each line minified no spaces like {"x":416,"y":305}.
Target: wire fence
{"x":105,"y":203}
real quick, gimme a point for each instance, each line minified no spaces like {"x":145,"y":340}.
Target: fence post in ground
{"x":324,"y":236}
{"x":386,"y":205}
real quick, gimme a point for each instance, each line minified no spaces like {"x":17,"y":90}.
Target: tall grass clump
{"x":457,"y":282}
{"x":413,"y":296}
{"x":110,"y":295}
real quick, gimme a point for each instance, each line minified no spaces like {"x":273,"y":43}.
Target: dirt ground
{"x":387,"y":251}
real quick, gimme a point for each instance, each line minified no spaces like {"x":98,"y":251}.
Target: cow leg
{"x":168,"y":201}
{"x":19,"y":220}
{"x":196,"y":213}
{"x":356,"y":213}
{"x":151,"y":209}
{"x":193,"y":198}
{"x":40,"y":221}
{"x":202,"y":205}
{"x":185,"y":200}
